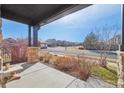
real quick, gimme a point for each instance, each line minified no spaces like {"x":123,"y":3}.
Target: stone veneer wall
{"x":32,"y":53}
{"x":120,"y":69}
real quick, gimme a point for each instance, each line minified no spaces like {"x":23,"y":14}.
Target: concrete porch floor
{"x":41,"y":76}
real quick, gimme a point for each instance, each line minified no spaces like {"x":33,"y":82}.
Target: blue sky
{"x":73,"y":27}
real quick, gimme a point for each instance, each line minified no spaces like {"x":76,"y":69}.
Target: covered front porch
{"x":36,"y":16}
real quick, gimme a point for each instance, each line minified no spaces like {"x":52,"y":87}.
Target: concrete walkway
{"x":41,"y":76}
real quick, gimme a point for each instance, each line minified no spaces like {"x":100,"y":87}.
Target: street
{"x":93,"y":53}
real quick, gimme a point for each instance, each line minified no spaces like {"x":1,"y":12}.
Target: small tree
{"x":90,"y":41}
{"x":100,"y":40}
{"x":104,"y":44}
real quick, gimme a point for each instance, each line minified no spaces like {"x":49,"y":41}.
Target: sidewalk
{"x":41,"y":76}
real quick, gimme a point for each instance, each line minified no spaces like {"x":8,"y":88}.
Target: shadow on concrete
{"x":26,"y":66}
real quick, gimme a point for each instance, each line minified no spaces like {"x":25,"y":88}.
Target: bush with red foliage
{"x":17,"y":48}
{"x":19,"y":51}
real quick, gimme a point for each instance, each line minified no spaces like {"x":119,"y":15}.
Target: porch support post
{"x":33,"y":51}
{"x":121,"y":55}
{"x":35,"y":35}
{"x":29,"y":36}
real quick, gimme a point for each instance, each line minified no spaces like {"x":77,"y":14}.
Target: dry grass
{"x":66,"y":65}
{"x":78,"y":67}
{"x":85,"y":69}
{"x":45,"y":57}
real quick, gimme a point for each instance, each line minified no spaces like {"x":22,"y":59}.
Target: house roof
{"x":33,"y":14}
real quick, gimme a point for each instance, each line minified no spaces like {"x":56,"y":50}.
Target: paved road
{"x":61,"y":50}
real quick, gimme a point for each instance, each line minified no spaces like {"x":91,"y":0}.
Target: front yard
{"x":81,"y":68}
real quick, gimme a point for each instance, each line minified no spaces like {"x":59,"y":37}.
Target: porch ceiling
{"x":33,"y":14}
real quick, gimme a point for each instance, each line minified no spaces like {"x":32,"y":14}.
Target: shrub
{"x":47,"y":57}
{"x":19,"y":52}
{"x":17,"y":49}
{"x":65,"y":63}
{"x":85,"y":69}
{"x":103,"y":62}
{"x":78,"y":67}
{"x":65,"y":66}
{"x":40,"y":58}
{"x":53,"y":59}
